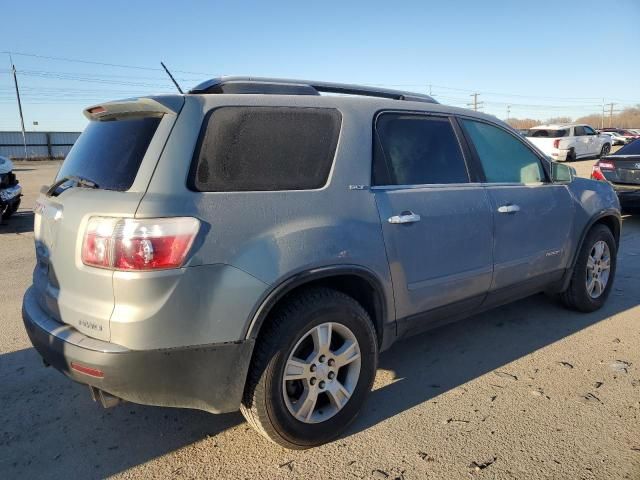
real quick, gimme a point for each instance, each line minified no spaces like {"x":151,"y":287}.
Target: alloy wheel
{"x":598,"y":269}
{"x":321,"y":373}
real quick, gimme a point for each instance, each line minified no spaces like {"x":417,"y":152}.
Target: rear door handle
{"x":405,"y":217}
{"x":509,"y":208}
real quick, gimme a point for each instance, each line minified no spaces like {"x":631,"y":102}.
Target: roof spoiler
{"x":281,"y":86}
{"x":136,"y":106}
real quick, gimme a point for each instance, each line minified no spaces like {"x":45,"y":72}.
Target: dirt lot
{"x":526,"y":391}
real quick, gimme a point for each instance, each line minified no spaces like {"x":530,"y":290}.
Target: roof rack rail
{"x":282,"y":86}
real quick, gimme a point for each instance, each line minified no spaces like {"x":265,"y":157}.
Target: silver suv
{"x":254,"y":245}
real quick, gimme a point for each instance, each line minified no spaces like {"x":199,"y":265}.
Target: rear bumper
{"x":206,"y":377}
{"x":629,"y":196}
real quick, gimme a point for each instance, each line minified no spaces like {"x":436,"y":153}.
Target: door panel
{"x":446,"y":256}
{"x":532,"y":239}
{"x":532,"y":217}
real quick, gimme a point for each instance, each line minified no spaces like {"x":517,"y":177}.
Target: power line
{"x":92,"y":62}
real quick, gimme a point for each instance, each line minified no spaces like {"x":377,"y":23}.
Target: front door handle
{"x":509,"y":208}
{"x":405,"y":217}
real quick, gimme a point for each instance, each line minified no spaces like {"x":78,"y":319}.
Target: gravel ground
{"x":525,"y":391}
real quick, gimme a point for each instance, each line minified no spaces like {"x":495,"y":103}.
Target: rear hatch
{"x":623,"y":167}
{"x":105,"y":174}
{"x":626,"y":170}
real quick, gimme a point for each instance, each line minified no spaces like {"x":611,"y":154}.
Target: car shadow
{"x":445,"y":358}
{"x":19,"y":222}
{"x":52,"y":429}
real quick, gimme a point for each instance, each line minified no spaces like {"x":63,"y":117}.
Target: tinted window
{"x":109,"y":152}
{"x":589,"y":131}
{"x":540,"y":132}
{"x":265,"y":148}
{"x":578,"y":131}
{"x":504,"y":158}
{"x":632,"y":148}
{"x":416,"y":150}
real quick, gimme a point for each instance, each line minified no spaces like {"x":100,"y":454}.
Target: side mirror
{"x":561,"y":173}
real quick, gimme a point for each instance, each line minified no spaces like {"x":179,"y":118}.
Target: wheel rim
{"x":598,"y":269}
{"x":605,"y":150}
{"x":321,"y":373}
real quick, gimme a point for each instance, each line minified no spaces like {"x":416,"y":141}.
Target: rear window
{"x":265,"y":148}
{"x":416,"y":150}
{"x":544,"y":133}
{"x":632,"y":148}
{"x":109,"y":152}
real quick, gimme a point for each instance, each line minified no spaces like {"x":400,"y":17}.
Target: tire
{"x":577,"y":296}
{"x":10,"y":210}
{"x":606,"y":148}
{"x":267,"y":402}
{"x":571,"y":156}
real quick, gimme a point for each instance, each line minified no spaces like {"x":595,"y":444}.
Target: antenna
{"x":171,"y":77}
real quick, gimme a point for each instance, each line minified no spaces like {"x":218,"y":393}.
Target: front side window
{"x":265,"y":149}
{"x":414,"y":149}
{"x":504,"y":158}
{"x":588,"y":131}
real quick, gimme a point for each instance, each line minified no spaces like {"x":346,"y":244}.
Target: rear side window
{"x":578,"y":131}
{"x":543,"y":133}
{"x":265,"y":148}
{"x":414,"y":149}
{"x":632,"y":148}
{"x":109,"y":152}
{"x":504,"y":158}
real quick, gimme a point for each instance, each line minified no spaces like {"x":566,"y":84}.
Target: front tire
{"x":594,"y":272}
{"x":312,"y":369}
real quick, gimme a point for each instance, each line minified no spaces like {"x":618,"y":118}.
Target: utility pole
{"x":508,"y":111}
{"x":429,"y":89}
{"x":24,"y":135}
{"x":475,"y":104}
{"x":602,"y":118}
{"x":611,"y":112}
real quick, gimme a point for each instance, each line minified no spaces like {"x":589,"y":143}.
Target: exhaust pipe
{"x":106,"y":399}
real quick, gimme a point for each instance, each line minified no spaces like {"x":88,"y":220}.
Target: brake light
{"x":596,"y":174}
{"x":606,"y":165}
{"x":138,"y":244}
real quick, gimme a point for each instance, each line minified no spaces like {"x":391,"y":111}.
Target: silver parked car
{"x":254,"y":245}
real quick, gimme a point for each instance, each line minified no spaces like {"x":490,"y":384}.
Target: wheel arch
{"x":609,"y":218}
{"x":357,"y":282}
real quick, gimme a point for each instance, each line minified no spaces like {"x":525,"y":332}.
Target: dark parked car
{"x":622,"y":170}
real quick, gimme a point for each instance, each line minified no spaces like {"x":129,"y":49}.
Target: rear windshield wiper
{"x":73,"y":181}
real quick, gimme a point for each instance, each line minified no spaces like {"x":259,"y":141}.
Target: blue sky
{"x":542,"y":58}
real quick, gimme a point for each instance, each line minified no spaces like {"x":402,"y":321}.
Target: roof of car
{"x":288,"y":86}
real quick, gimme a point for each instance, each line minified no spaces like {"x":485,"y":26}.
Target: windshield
{"x":109,"y":152}
{"x":548,"y":133}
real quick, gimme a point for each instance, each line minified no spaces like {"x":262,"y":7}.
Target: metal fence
{"x":40,"y":145}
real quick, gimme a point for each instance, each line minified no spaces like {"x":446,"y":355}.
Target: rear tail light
{"x":556,"y":143}
{"x":596,"y":174}
{"x":606,"y":165}
{"x":138,"y":244}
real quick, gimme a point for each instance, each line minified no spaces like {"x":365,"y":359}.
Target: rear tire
{"x":582,"y":295}
{"x":310,"y":411}
{"x":571,"y":156}
{"x":606,"y":148}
